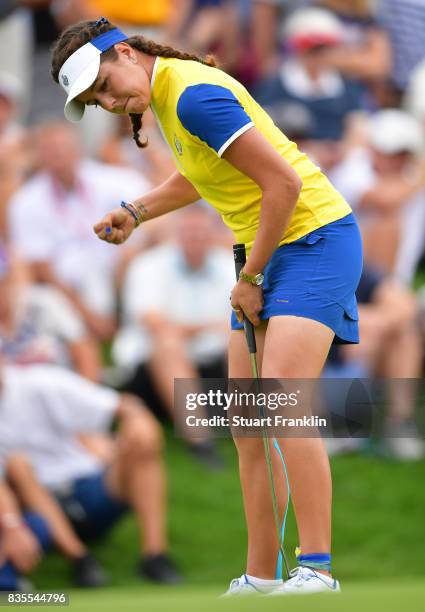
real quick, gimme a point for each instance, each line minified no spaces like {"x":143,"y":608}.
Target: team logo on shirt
{"x":178,"y":145}
{"x":65,"y":80}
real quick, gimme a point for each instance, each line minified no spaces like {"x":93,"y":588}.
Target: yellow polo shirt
{"x":201,"y":111}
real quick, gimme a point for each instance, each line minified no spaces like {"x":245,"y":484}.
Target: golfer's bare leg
{"x":262,"y":535}
{"x":296,"y":347}
{"x":291,"y":347}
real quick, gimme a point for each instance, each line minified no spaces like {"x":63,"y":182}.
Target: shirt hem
{"x":233,"y":137}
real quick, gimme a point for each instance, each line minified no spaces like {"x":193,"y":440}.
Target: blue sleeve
{"x":213,"y":114}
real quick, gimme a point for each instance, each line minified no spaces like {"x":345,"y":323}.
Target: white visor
{"x":81,"y":68}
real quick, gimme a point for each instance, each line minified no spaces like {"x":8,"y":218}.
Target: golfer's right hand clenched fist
{"x":115,"y":227}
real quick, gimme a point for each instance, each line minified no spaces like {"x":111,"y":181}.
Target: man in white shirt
{"x":44,"y":411}
{"x":51,"y":219}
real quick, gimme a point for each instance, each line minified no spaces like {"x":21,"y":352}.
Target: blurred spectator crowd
{"x":92,"y":336}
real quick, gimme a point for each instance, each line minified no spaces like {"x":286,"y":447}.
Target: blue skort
{"x":316,"y":277}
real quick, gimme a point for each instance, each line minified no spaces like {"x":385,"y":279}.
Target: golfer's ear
{"x":124,"y":49}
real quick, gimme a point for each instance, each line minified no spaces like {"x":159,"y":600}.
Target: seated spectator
{"x":305,"y":88}
{"x":39,"y":325}
{"x":390,"y":348}
{"x":25,"y":536}
{"x":385,"y":184}
{"x":51,"y":218}
{"x":44,"y":411}
{"x":175,"y":304}
{"x":364,"y":52}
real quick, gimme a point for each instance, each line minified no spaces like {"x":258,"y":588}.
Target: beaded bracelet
{"x":137,"y":211}
{"x":133,"y":211}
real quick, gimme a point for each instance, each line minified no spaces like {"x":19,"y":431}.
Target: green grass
{"x":378,"y":534}
{"x":391,"y":597}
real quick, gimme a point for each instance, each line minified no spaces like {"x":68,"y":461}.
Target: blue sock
{"x":315,"y":561}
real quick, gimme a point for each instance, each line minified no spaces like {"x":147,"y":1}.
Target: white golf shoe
{"x":241,"y":587}
{"x":304,"y":581}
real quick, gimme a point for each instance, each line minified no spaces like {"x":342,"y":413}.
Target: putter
{"x":239,"y":253}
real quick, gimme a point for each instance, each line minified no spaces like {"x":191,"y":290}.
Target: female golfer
{"x":298,"y":284}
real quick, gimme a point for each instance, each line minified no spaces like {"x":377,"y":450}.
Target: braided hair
{"x":77,"y":35}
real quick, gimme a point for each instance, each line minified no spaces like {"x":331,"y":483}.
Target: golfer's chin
{"x":135,"y":106}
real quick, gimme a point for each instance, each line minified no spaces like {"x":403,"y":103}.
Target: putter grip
{"x":239,"y":254}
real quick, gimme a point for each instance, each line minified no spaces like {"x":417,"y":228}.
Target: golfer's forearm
{"x":172,"y":194}
{"x":276,"y":212}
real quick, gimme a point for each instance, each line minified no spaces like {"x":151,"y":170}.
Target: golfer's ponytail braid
{"x":77,"y":35}
{"x":152,"y":48}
